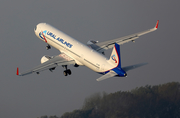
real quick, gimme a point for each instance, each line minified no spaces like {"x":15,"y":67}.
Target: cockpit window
{"x":35,"y":28}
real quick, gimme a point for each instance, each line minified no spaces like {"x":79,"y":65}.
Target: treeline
{"x":161,"y":101}
{"x":49,"y":116}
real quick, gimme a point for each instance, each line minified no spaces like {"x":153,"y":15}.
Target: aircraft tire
{"x":69,"y":71}
{"x":48,"y":47}
{"x":65,"y":73}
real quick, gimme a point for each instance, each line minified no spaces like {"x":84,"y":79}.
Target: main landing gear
{"x":48,"y":47}
{"x":67,"y":71}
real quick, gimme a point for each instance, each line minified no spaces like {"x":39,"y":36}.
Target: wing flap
{"x":109,"y":44}
{"x":102,"y":46}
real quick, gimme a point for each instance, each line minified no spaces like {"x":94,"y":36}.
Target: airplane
{"x":73,"y":52}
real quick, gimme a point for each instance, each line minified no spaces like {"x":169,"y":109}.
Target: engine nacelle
{"x":45,"y":58}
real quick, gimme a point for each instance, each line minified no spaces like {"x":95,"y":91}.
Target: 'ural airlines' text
{"x":59,"y":39}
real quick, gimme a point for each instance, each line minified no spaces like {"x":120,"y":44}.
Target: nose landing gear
{"x":48,"y":47}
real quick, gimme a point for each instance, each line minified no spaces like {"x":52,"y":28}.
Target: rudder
{"x":115,"y":57}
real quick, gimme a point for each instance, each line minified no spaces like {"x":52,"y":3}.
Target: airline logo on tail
{"x":113,"y":57}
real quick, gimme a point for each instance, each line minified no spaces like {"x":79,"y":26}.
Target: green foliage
{"x":161,"y":101}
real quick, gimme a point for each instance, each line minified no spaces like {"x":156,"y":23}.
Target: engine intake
{"x":45,"y":58}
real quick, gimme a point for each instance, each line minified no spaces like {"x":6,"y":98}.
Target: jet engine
{"x":45,"y":58}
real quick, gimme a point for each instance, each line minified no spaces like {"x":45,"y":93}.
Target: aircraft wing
{"x":59,"y":60}
{"x":102,"y":46}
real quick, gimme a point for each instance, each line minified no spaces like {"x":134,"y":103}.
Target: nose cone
{"x":38,"y":29}
{"x":35,"y":28}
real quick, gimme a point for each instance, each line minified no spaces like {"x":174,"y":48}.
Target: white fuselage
{"x":82,"y":54}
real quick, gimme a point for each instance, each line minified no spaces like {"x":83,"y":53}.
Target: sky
{"x":50,"y":93}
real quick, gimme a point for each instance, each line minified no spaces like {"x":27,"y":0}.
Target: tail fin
{"x":115,"y":57}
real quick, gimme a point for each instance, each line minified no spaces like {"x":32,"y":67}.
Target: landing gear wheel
{"x":48,"y":47}
{"x":65,"y":73}
{"x":69,"y":71}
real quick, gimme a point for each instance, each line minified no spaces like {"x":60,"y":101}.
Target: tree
{"x":142,"y":102}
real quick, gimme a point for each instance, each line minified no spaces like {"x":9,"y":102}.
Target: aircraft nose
{"x":37,"y":30}
{"x":125,"y":74}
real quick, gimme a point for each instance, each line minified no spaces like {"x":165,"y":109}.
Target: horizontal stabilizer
{"x":127,"y":68}
{"x":106,"y":76}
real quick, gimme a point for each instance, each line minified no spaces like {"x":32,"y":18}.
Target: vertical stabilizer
{"x":115,"y":57}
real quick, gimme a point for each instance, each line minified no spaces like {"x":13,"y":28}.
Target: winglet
{"x":157,"y":24}
{"x":17,"y":73}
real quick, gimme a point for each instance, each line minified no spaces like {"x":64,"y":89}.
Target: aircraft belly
{"x":94,"y":68}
